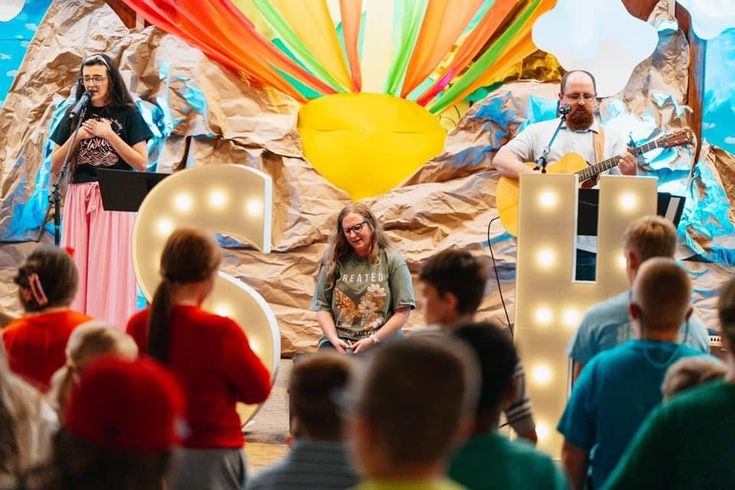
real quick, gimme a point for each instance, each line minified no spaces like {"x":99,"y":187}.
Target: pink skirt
{"x":102,"y":243}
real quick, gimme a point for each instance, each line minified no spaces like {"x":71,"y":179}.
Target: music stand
{"x":670,"y":206}
{"x":123,"y":190}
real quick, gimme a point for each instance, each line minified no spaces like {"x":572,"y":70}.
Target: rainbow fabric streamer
{"x":434,"y":52}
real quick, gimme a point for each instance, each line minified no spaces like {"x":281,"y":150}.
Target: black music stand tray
{"x":123,"y":190}
{"x":669,"y":206}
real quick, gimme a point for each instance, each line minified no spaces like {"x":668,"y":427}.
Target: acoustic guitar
{"x":507,"y":193}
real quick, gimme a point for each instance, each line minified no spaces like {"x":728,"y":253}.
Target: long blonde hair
{"x":86,"y":343}
{"x":339,"y":248}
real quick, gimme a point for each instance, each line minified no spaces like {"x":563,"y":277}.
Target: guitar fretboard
{"x":594,"y":170}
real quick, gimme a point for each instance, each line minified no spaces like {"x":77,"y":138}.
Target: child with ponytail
{"x":211,"y":357}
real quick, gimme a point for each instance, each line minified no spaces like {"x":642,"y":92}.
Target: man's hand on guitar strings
{"x":628,"y":163}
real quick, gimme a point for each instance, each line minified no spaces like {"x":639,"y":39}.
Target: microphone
{"x":565,"y":109}
{"x":81,"y":104}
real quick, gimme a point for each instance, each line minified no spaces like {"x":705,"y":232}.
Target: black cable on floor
{"x":497,"y":276}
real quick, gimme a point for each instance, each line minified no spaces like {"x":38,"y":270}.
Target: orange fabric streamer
{"x":254,"y":48}
{"x":311,"y":22}
{"x":442,"y":26}
{"x":351,"y":14}
{"x":521,"y":48}
{"x":475,"y":41}
{"x":162,"y":18}
{"x":493,"y":18}
{"x":226,"y":36}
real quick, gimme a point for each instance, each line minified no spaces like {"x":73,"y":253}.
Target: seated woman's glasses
{"x":355,"y":228}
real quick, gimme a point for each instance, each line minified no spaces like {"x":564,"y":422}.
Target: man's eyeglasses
{"x":94,"y":79}
{"x":354,"y":228}
{"x":575,"y":97}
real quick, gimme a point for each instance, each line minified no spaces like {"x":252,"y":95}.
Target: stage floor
{"x":265,"y":439}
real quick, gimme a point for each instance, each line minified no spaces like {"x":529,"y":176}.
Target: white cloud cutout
{"x":730,"y":140}
{"x":31,"y":26}
{"x":708,"y":125}
{"x":9,"y":9}
{"x":5,"y":57}
{"x":710,"y":17}
{"x":11,"y":73}
{"x":599,"y":36}
{"x":719,"y":72}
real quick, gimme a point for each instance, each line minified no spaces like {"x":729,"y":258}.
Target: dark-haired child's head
{"x":48,"y":278}
{"x":453,"y":283}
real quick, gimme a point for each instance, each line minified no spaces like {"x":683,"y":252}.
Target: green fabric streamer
{"x":486,"y":60}
{"x":305,"y":90}
{"x":409,"y":15}
{"x":483,"y":92}
{"x":360,"y":39}
{"x":290,"y":39}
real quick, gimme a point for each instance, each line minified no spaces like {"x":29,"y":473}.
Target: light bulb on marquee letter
{"x":549,"y":304}
{"x":230,"y":199}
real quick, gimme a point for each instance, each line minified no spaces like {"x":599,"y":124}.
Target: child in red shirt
{"x":35,"y":343}
{"x":211,"y":357}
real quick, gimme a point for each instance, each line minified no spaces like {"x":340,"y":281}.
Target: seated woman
{"x":87,"y":343}
{"x":35,"y":343}
{"x":364,"y":292}
{"x":211,"y":357}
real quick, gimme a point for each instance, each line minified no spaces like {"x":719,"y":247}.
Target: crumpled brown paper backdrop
{"x":447,"y":203}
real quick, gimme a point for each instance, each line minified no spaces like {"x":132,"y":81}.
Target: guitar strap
{"x":598,"y":139}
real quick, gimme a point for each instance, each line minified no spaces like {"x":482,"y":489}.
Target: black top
{"x":94,"y":152}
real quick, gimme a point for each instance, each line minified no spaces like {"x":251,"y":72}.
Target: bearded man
{"x":580,"y":133}
{"x":578,"y":91}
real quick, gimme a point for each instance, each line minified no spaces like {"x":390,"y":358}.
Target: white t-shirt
{"x":530,"y":143}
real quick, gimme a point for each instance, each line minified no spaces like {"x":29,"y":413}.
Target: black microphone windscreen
{"x":81,"y":103}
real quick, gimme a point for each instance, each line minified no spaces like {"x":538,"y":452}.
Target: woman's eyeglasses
{"x":94,"y":79}
{"x":354,"y":228}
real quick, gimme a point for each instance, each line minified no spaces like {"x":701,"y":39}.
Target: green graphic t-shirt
{"x":365,"y":295}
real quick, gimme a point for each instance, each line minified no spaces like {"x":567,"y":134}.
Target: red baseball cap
{"x":125,"y":405}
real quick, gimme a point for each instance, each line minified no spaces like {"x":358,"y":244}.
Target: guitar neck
{"x":595,"y":170}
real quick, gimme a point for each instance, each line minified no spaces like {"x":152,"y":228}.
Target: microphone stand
{"x":543,"y":160}
{"x":54,"y":199}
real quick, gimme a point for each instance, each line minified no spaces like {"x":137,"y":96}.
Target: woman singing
{"x":364,"y":293}
{"x":113,"y":135}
